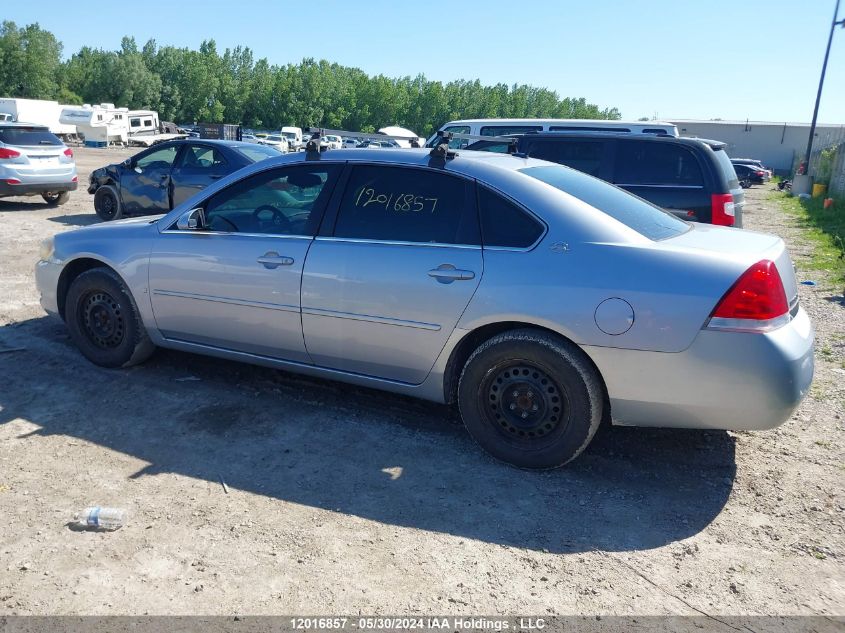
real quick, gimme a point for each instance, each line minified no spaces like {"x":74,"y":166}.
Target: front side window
{"x":406,"y":205}
{"x":653,"y":163}
{"x":581,"y":155}
{"x":286,"y":201}
{"x":504,"y":224}
{"x":159,"y":159}
{"x":201,"y":158}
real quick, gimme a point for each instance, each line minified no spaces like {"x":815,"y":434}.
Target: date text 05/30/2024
{"x":417,"y":623}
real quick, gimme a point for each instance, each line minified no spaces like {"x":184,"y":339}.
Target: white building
{"x":778,"y":145}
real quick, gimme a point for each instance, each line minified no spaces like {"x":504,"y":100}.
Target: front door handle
{"x":447,"y":273}
{"x":273,"y":260}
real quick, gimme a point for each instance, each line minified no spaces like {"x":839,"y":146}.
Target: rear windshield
{"x":727,"y":168}
{"x":635,"y":213}
{"x":28,"y":136}
{"x":255,"y":152}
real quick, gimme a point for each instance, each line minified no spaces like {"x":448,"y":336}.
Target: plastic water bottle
{"x":100,"y":518}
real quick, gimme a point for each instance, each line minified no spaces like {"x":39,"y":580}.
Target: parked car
{"x":690,"y":177}
{"x":35,"y":162}
{"x":750,"y":162}
{"x":350,"y":142}
{"x":751,"y":174}
{"x":539,"y":299}
{"x":278,"y":141}
{"x":372,"y":143}
{"x":333,"y":141}
{"x":165,"y":175}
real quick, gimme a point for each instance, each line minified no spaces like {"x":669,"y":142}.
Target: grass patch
{"x":825,"y":229}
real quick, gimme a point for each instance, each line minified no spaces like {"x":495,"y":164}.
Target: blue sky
{"x":681,"y":59}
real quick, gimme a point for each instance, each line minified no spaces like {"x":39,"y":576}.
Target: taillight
{"x":760,"y":173}
{"x":12,"y":181}
{"x":722,"y":207}
{"x":68,"y":152}
{"x":758,"y":295}
{"x":75,"y":179}
{"x":5,"y":152}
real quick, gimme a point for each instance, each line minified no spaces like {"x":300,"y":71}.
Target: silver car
{"x":33,"y":162}
{"x":539,"y":299}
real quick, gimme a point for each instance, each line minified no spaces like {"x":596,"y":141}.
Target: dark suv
{"x":690,"y":177}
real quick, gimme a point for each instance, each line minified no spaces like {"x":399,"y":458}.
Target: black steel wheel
{"x":530,"y":398}
{"x":103,"y":320}
{"x":107,"y":203}
{"x":524,"y":402}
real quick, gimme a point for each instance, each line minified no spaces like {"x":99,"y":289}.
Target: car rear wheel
{"x":103,"y":320}
{"x":57,"y":198}
{"x":530,"y":399}
{"x":107,"y":203}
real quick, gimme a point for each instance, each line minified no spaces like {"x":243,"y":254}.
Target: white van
{"x":503,"y":127}
{"x":294,"y":137}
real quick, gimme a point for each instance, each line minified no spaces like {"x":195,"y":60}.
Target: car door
{"x":197,"y":167}
{"x":235,"y":282}
{"x":383,"y":289}
{"x":145,"y":184}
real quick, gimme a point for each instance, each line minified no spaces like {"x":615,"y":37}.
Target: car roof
{"x":37,"y":126}
{"x":649,"y":138}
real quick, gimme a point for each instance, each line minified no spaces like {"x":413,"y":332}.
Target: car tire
{"x":56,"y":199}
{"x":103,"y":320}
{"x":530,"y":399}
{"x":107,"y":203}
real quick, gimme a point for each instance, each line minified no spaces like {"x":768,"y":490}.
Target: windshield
{"x":256,"y":153}
{"x":288,"y":134}
{"x":643,"y":217}
{"x":28,"y":136}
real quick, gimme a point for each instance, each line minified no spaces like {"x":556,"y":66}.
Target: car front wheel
{"x":103,"y":320}
{"x":530,"y":399}
{"x":107,"y":203}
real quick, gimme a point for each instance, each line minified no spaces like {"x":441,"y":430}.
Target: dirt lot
{"x":345,"y":500}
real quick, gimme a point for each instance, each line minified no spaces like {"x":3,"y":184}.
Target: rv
{"x":101,"y":125}
{"x":38,"y":112}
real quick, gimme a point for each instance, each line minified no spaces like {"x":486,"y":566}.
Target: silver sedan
{"x":538,"y":299}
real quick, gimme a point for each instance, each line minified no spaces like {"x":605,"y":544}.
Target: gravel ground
{"x":346,"y":500}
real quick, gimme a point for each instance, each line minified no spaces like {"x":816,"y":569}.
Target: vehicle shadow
{"x":361,"y":452}
{"x":24,"y":203}
{"x":79,"y":219}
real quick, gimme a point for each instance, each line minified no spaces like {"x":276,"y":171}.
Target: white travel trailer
{"x":37,"y":111}
{"x":145,"y":128}
{"x":101,"y":125}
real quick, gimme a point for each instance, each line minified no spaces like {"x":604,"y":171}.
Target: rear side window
{"x":406,"y":205}
{"x":581,"y":155}
{"x":504,"y":224}
{"x":727,"y":168}
{"x":635,"y":213}
{"x":28,"y":136}
{"x":653,"y":163}
{"x":504,"y":130}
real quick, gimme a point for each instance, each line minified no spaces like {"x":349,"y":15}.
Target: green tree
{"x":29,"y":62}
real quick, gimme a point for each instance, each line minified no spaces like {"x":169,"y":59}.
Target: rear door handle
{"x":447,"y":273}
{"x":273,"y":260}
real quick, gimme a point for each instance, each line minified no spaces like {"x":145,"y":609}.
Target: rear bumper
{"x":30,"y":189}
{"x":724,"y":380}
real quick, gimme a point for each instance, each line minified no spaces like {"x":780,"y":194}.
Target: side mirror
{"x":192,"y":220}
{"x":127,"y":163}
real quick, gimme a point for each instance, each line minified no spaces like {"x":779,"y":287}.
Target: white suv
{"x":33,"y":161}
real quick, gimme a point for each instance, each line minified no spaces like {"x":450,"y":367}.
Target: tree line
{"x":187,"y":86}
